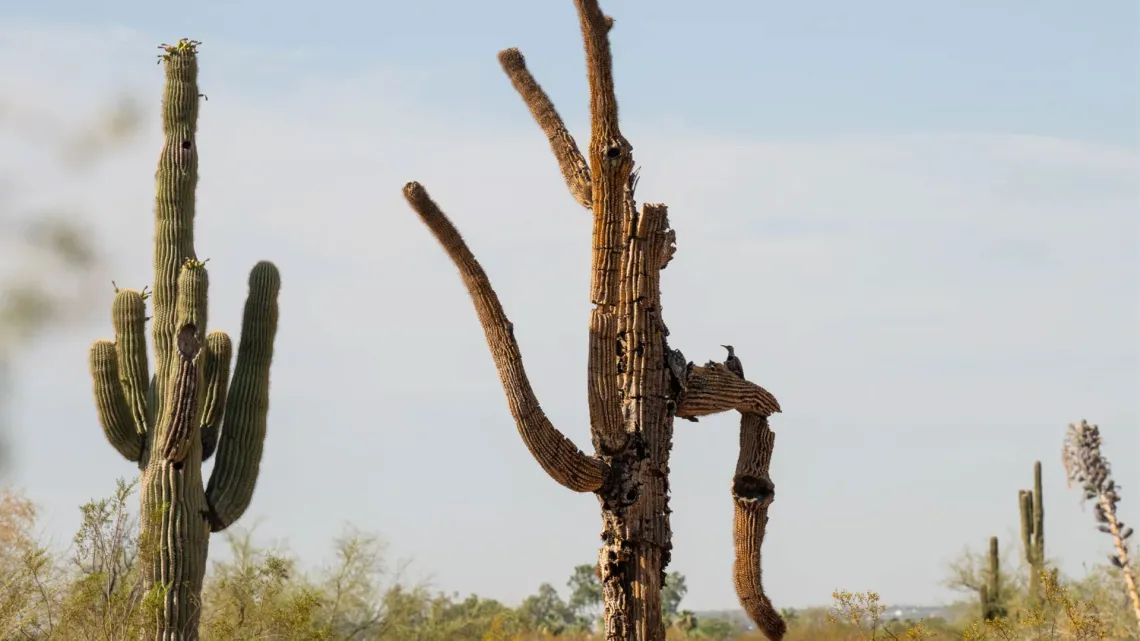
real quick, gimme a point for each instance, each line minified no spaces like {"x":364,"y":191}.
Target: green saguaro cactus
{"x":1032,"y":509}
{"x":189,"y":409}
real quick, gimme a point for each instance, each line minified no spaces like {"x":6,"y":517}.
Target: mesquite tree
{"x":189,"y":409}
{"x":637,"y":384}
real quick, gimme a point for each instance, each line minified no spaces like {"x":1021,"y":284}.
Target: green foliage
{"x":586,"y":595}
{"x":92,"y":590}
{"x":672,"y":593}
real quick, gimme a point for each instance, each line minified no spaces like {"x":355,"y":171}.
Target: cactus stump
{"x":637,"y":384}
{"x":169,"y":423}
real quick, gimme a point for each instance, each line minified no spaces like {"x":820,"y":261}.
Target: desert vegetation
{"x":94,"y":588}
{"x":139,"y":565}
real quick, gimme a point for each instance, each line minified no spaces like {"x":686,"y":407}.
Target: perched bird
{"x":733,"y":363}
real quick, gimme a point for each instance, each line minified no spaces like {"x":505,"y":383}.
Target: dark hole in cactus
{"x":186,"y":144}
{"x":631,"y":495}
{"x":613,"y":152}
{"x":178,"y":466}
{"x":753,"y":489}
{"x":188,"y":344}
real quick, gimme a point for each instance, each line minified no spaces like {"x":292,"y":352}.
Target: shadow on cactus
{"x":189,"y":409}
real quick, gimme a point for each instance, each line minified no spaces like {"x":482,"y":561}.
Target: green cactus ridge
{"x":190,"y":408}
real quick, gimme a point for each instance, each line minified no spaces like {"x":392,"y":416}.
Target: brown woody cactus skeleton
{"x":637,"y":384}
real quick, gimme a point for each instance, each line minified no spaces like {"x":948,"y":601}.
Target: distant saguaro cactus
{"x":990,"y":591}
{"x":1085,"y":464}
{"x":1031,"y":504}
{"x":637,"y":384}
{"x":170,"y":422}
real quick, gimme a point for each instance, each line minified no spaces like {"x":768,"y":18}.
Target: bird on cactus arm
{"x":732,"y":362}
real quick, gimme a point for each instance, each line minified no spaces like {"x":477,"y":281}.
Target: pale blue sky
{"x":924,"y":216}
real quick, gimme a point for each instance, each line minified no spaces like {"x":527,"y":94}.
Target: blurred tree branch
{"x":47,"y":260}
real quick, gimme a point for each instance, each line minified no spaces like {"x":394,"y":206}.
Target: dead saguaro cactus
{"x":637,"y":384}
{"x":189,"y":409}
{"x":1085,"y":464}
{"x":1031,"y":504}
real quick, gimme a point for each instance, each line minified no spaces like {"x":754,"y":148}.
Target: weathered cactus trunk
{"x":752,"y":493}
{"x":1032,"y":507}
{"x":637,"y":384}
{"x":169,"y":423}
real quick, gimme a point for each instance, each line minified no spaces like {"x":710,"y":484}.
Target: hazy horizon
{"x":911,"y":221}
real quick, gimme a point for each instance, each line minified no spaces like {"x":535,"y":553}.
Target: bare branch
{"x":561,"y":459}
{"x":573,"y":165}
{"x":713,"y":389}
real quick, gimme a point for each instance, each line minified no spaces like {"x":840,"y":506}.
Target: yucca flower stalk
{"x":1085,"y":464}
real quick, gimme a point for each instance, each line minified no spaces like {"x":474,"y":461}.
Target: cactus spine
{"x":189,"y":409}
{"x":1032,"y":510}
{"x":637,"y":384}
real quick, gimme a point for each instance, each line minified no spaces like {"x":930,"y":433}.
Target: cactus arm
{"x":128,"y":315}
{"x":178,"y":428}
{"x":611,"y":166}
{"x":242,"y":438}
{"x":555,"y":453}
{"x":752,"y":493}
{"x":1038,"y":517}
{"x":713,"y":389}
{"x":573,"y":165}
{"x":1025,"y":506}
{"x":176,"y":180}
{"x":219,"y":354}
{"x":610,"y":156}
{"x":110,"y":402}
{"x":607,"y":431}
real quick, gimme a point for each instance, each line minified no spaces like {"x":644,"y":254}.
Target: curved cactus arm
{"x":752,"y":493}
{"x":110,"y":402}
{"x":128,"y":315}
{"x":176,"y":180}
{"x":557,"y":455}
{"x":573,"y":165}
{"x":713,"y":389}
{"x":242,"y":437}
{"x":219,"y":354}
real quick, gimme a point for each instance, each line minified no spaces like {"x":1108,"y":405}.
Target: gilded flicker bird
{"x":733,"y":363}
